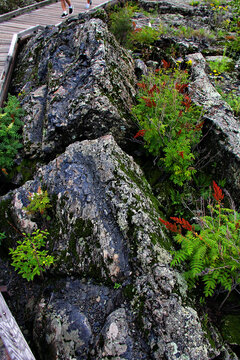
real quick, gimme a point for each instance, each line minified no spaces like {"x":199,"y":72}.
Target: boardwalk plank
{"x":11,"y":335}
{"x":47,"y":15}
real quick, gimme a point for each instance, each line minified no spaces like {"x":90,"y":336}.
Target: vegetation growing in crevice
{"x":211,"y":246}
{"x":170,"y":123}
{"x":10,"y":135}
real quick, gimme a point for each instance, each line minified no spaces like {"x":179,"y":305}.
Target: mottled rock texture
{"x":106,"y":228}
{"x":111,"y":293}
{"x":76,"y":83}
{"x":221,"y":143}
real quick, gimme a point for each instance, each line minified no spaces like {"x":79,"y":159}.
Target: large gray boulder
{"x":221,"y":142}
{"x":105,"y":227}
{"x":76,"y":83}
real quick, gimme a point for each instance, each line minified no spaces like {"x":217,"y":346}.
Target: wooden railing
{"x":5,"y":76}
{"x":25,"y":10}
{"x":11,"y":335}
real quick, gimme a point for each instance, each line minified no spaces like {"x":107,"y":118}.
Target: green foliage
{"x":39,"y":203}
{"x":189,"y":32}
{"x":10,"y":5}
{"x":10,"y":125}
{"x":232,"y":99}
{"x":2,"y":237}
{"x":117,"y":286}
{"x":121,"y":24}
{"x":215,"y":3}
{"x":28,"y":259}
{"x":144,"y":36}
{"x":194,"y":3}
{"x":222,"y":65}
{"x":171,"y":123}
{"x":233,"y":41}
{"x":212,"y":252}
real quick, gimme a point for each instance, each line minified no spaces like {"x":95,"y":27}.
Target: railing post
{"x":12,"y":336}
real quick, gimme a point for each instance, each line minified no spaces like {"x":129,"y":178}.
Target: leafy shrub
{"x":28,"y":259}
{"x":144,"y":36}
{"x":39,"y":203}
{"x":233,"y":100}
{"x":10,"y":125}
{"x":170,"y":122}
{"x":211,"y":248}
{"x":121,"y":24}
{"x":2,"y":237}
{"x":224,"y":64}
{"x":233,"y":46}
{"x":10,"y":5}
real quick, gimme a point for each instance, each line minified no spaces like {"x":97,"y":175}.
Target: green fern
{"x":10,"y":125}
{"x":212,"y":253}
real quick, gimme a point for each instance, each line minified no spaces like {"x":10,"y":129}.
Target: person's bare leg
{"x":63,"y":3}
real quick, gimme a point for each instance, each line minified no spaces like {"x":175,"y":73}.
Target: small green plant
{"x":117,"y":286}
{"x":121,"y":24}
{"x":189,"y":32}
{"x":194,"y":3}
{"x":144,"y":36}
{"x":171,"y":124}
{"x":10,"y":125}
{"x":28,"y":259}
{"x":211,"y":248}
{"x":232,"y":99}
{"x":216,"y":3}
{"x":39,"y":203}
{"x":222,"y":65}
{"x":2,"y":237}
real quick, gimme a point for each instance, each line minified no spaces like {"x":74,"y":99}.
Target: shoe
{"x":70,"y":10}
{"x":64,"y":14}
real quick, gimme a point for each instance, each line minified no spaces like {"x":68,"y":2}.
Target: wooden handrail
{"x":11,"y":335}
{"x":5,"y":76}
{"x":25,"y":9}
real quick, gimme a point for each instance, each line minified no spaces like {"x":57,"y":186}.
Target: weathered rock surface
{"x":76,"y":83}
{"x":222,"y":141}
{"x":107,"y":229}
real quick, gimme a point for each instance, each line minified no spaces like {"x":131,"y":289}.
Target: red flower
{"x":165,"y":64}
{"x":218,"y":195}
{"x":181,"y":87}
{"x":179,"y":132}
{"x":184,"y":223}
{"x":137,"y":30}
{"x":142,"y":85}
{"x":140,"y":133}
{"x":169,"y":226}
{"x":154,"y":89}
{"x":187,"y":102}
{"x":199,"y":126}
{"x":4,"y":171}
{"x":181,"y":154}
{"x":149,"y":103}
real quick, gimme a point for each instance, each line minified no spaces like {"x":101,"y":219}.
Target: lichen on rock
{"x":102,"y":81}
{"x":106,"y":213}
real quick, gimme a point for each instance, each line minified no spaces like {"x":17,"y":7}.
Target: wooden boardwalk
{"x":47,"y":15}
